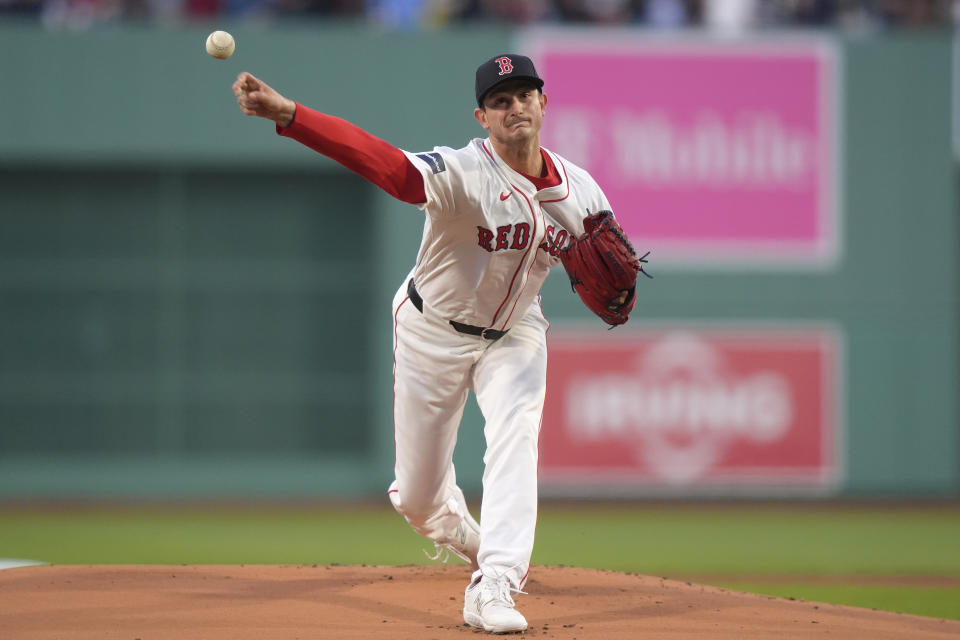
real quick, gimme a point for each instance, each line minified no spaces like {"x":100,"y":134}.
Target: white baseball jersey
{"x":490,"y":238}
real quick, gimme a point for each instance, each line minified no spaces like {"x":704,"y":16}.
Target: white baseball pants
{"x":434,"y":368}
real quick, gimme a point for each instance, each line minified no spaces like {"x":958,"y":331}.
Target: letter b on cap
{"x":506,"y":65}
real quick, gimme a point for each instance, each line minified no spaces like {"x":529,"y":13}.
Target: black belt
{"x":488,"y":334}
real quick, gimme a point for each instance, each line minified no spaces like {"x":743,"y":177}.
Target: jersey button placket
{"x":527,"y":264}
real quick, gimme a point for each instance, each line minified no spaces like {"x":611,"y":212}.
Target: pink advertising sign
{"x":710,"y":152}
{"x":692,"y":408}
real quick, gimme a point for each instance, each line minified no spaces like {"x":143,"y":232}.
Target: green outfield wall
{"x":192,"y":306}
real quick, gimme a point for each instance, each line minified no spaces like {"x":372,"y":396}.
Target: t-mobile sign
{"x":709,"y":152}
{"x":649,"y":409}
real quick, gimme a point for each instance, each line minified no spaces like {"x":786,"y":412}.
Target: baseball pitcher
{"x":497,"y":215}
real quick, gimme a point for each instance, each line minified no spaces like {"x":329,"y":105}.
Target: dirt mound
{"x":399,"y":603}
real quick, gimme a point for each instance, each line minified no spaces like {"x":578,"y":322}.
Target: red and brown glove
{"x":603,"y":268}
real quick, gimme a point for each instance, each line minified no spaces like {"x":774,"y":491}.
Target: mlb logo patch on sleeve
{"x":434,"y":160}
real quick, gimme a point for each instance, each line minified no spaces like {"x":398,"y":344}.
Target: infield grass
{"x":936,"y":602}
{"x":868,"y":556}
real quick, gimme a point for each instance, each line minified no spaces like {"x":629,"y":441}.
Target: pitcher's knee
{"x":436,"y":520}
{"x":416,"y":512}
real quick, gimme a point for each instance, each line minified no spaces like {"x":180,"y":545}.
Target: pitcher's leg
{"x":431,"y":377}
{"x":510,"y":384}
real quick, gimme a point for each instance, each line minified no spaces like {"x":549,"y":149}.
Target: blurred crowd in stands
{"x":426,"y":14}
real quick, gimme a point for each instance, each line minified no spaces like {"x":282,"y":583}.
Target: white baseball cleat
{"x":465,"y":544}
{"x":487,"y":605}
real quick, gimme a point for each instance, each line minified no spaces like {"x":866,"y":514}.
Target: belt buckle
{"x":483,"y":334}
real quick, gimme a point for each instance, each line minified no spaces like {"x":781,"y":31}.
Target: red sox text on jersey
{"x":516,"y":236}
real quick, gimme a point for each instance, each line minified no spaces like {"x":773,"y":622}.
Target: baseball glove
{"x":603,"y":267}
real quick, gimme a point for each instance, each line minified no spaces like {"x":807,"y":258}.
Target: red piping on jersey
{"x":532,"y":262}
{"x":484,"y":145}
{"x":566,"y":195}
{"x":533,"y":244}
{"x":533,"y":236}
{"x":526,"y":277}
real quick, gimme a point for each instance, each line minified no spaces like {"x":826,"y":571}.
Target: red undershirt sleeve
{"x":366,"y":155}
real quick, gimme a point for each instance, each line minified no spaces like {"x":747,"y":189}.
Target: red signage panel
{"x":691,"y":408}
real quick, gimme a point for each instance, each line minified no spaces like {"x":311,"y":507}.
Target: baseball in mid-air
{"x":220,"y":45}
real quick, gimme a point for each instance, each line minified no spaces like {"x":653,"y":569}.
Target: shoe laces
{"x":442,"y":550}
{"x":498,"y":590}
{"x":441,"y":553}
{"x":499,"y":587}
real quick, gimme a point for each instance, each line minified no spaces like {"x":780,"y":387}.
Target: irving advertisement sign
{"x":692,"y":409}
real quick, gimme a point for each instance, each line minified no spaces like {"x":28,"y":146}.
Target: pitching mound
{"x":400,"y":603}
